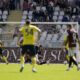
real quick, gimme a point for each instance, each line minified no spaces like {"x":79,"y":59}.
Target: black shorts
{"x":28,"y":49}
{"x":0,"y":51}
{"x":37,"y":50}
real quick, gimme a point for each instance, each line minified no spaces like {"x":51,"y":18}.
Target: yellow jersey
{"x":28,"y":32}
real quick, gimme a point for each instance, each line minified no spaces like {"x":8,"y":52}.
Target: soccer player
{"x":28,"y":45}
{"x":1,"y":54}
{"x":71,"y":40}
{"x":39,"y":51}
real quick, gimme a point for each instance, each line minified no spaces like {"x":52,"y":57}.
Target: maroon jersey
{"x":72,"y":38}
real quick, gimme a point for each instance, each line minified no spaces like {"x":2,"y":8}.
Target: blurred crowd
{"x":71,"y":8}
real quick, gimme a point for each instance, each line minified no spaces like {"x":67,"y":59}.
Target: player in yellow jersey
{"x":28,"y":45}
{"x":1,"y":54}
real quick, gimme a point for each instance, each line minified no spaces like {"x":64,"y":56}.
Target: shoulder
{"x":22,"y":28}
{"x":32,"y":26}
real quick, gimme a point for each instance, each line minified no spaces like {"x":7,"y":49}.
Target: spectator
{"x":65,"y":18}
{"x":35,"y":15}
{"x":16,"y":31}
{"x":62,"y":3}
{"x":26,"y":5}
{"x":50,"y":11}
{"x":17,"y":4}
{"x":74,"y":11}
{"x":1,"y":5}
{"x":77,"y":2}
{"x":37,"y":1}
{"x":72,"y":3}
{"x":42,"y":15}
{"x":12,"y":5}
{"x":68,"y":10}
{"x":6,"y":4}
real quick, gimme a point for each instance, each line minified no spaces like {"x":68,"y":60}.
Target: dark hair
{"x":69,"y":26}
{"x":28,"y":22}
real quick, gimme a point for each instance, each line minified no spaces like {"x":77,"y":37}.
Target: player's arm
{"x":37,"y":29}
{"x":7,"y":53}
{"x":65,"y":42}
{"x":19,"y":36}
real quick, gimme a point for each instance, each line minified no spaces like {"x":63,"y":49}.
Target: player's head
{"x":69,"y":27}
{"x":28,"y":22}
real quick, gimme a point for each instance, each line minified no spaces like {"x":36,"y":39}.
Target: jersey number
{"x":29,"y":32}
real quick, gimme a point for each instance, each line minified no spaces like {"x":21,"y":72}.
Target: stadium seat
{"x":58,"y":27}
{"x":5,"y":12}
{"x":0,"y":12}
{"x":54,"y":37}
{"x":43,"y":8}
{"x":0,"y":17}
{"x":38,"y":8}
{"x":56,"y":13}
{"x":14,"y":42}
{"x":22,"y":22}
{"x":73,"y":17}
{"x":25,"y":12}
{"x":54,"y":18}
{"x":4,"y":17}
{"x":30,"y":17}
{"x":0,"y":30}
{"x":64,"y":26}
{"x":49,"y":36}
{"x":61,"y":13}
{"x":24,"y":17}
{"x":60,"y":18}
{"x":43,"y":36}
{"x":30,"y":13}
{"x":57,"y":8}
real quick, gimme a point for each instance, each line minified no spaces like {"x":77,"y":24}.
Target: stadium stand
{"x":40,"y":11}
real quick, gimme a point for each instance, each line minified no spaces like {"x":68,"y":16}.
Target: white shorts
{"x":72,"y":51}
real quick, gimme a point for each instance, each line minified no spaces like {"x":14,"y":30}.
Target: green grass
{"x":45,"y":72}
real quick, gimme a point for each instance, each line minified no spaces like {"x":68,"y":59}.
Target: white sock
{"x":22,"y":65}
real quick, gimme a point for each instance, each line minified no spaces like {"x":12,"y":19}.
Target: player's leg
{"x":22,"y":60}
{"x":70,"y":63}
{"x":70,"y":52}
{"x":4,"y":58}
{"x":75,"y":62}
{"x":67,"y":57}
{"x":33,"y":57}
{"x":74,"y":58}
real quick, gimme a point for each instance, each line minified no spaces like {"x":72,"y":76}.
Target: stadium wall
{"x":52,"y":55}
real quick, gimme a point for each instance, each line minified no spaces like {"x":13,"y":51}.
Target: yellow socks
{"x":22,"y":61}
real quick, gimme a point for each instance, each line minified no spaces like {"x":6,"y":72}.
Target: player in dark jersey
{"x":39,"y":51}
{"x":72,"y":39}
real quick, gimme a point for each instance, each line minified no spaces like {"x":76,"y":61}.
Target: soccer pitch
{"x":45,"y":72}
